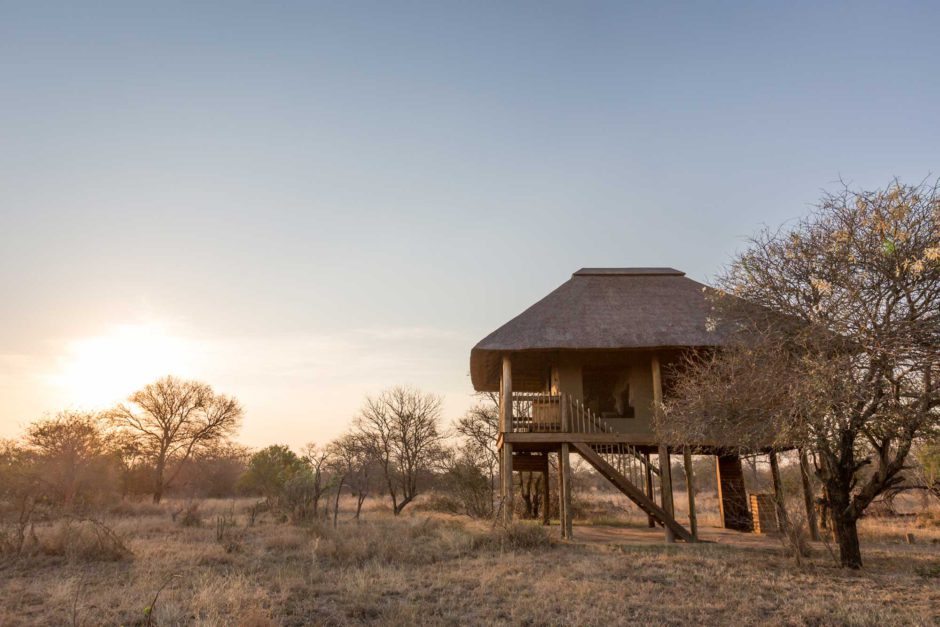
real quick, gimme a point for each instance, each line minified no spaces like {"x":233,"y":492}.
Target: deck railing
{"x":541,"y":412}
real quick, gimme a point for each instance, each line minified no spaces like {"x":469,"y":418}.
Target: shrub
{"x":400,"y":541}
{"x":515,"y":536}
{"x":84,"y":540}
{"x":189,"y":516}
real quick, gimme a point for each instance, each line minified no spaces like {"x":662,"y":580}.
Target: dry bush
{"x":231,"y":599}
{"x":519,"y":536}
{"x":397,"y":541}
{"x":81,"y":540}
{"x":285,"y":539}
{"x":189,"y":515}
{"x":416,"y":541}
{"x":227,"y":534}
{"x":795,"y":535}
{"x":444,"y":502}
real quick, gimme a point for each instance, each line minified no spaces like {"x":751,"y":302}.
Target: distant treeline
{"x":175,"y":437}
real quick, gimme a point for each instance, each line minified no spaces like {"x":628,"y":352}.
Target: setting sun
{"x":101,"y":370}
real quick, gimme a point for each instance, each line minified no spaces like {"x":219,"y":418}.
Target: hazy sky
{"x":304,"y":203}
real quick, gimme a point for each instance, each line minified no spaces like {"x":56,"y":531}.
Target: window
{"x":607,"y":391}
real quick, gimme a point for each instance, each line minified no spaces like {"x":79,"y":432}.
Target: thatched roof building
{"x":586,"y":368}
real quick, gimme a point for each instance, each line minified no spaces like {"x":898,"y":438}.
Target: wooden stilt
{"x":505,"y":416}
{"x":507,"y":483}
{"x":546,"y":493}
{"x":566,"y":490}
{"x":649,"y":486}
{"x":690,"y":488}
{"x":778,"y":492}
{"x":665,"y":487}
{"x":808,"y":499}
{"x":501,"y":458}
{"x":665,"y":471}
{"x":561,"y":498}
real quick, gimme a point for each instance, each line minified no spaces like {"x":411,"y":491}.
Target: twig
{"x":78,"y":590}
{"x":149,"y":609}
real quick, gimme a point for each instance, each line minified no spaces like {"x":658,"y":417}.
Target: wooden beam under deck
{"x":642,"y":442}
{"x":591,"y":438}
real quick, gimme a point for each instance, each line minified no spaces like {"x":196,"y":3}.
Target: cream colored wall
{"x":566,"y":377}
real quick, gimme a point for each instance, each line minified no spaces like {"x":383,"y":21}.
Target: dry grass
{"x":438,"y":569}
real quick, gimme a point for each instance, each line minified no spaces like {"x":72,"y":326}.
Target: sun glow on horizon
{"x":99,"y":371}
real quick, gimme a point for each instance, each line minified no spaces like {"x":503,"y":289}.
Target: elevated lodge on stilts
{"x":584,"y":369}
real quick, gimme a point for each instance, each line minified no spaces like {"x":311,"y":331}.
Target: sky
{"x":305,"y":203}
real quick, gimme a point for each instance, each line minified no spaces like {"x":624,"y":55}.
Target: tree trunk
{"x":400,"y":506}
{"x":846,"y":532}
{"x":844,"y":523}
{"x":158,"y":482}
{"x":339,"y":490}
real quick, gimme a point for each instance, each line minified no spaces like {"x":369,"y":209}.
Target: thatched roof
{"x":603,"y":309}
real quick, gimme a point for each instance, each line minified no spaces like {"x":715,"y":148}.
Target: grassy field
{"x":432,"y":568}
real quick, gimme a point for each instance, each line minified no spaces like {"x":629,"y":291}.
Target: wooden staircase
{"x":626,"y":460}
{"x":635,"y":494}
{"x":619,"y":462}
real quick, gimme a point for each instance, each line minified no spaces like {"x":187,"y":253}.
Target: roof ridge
{"x":639,"y":271}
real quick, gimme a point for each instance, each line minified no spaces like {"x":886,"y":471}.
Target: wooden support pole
{"x":665,"y":486}
{"x":566,"y":490}
{"x":546,"y":493}
{"x":649,"y":487}
{"x":808,"y":499}
{"x":665,"y":470}
{"x":507,"y":482}
{"x":561,"y":497}
{"x":778,"y":492}
{"x":505,"y":396}
{"x":690,"y":488}
{"x":505,"y":419}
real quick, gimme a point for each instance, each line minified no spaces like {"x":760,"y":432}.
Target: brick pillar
{"x":732,"y":497}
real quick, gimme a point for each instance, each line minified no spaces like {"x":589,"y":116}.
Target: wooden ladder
{"x":632,"y":492}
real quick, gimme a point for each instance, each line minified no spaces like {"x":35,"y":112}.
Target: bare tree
{"x":479,"y":429}
{"x":318,"y":459}
{"x":354,"y":467}
{"x":171,"y":419}
{"x":400,"y":429}
{"x":836,"y":346}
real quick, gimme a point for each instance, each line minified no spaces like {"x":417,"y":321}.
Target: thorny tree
{"x":171,"y":419}
{"x":841,"y":354}
{"x":74,"y":454}
{"x":400,"y":429}
{"x":319,"y":480}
